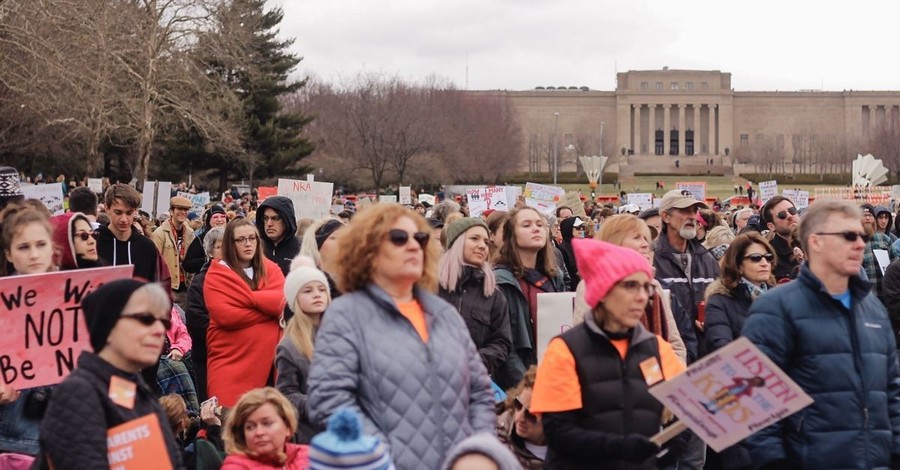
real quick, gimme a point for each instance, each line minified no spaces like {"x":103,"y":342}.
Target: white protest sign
{"x":387,"y":198}
{"x":555,"y":312}
{"x":95,"y":185}
{"x":731,"y":394}
{"x":543,"y":198}
{"x":643,"y":200}
{"x":405,"y":195}
{"x":512,"y":195}
{"x":767,"y":190}
{"x":696,"y":188}
{"x":163,"y":195}
{"x":883,"y":259}
{"x":798,"y":197}
{"x":310,"y":198}
{"x":486,"y":198}
{"x":426,"y":198}
{"x":148,"y":197}
{"x":198,"y":201}
{"x":51,"y":195}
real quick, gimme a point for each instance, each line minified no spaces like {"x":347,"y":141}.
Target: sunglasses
{"x":148,"y":319}
{"x":757,"y":257}
{"x":401,"y":237}
{"x":519,"y":406}
{"x":848,"y":235}
{"x":84,"y":236}
{"x":784,"y":214}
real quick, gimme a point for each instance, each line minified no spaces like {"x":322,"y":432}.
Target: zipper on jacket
{"x":626,"y":408}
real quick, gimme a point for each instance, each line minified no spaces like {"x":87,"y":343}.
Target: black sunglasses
{"x":784,"y":214}
{"x":848,"y":235}
{"x":85,"y":235}
{"x":519,"y":406}
{"x":401,"y":237}
{"x":757,"y":257}
{"x":148,"y":319}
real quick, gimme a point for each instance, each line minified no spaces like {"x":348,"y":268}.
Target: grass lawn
{"x":716,"y":186}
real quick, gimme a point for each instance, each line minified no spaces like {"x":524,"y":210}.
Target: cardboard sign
{"x":42,"y":326}
{"x":405,"y":195}
{"x":543,"y":198}
{"x":730,"y":394}
{"x":573,"y":201}
{"x":767,"y":190}
{"x":95,"y":185}
{"x":387,"y":198}
{"x":555,"y":315}
{"x":51,"y":195}
{"x":485,"y":198}
{"x":311,"y":198}
{"x":643,"y":200}
{"x":198,"y":201}
{"x":138,"y":445}
{"x":696,"y":188}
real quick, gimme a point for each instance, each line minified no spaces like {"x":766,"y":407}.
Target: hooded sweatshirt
{"x":283,"y":252}
{"x":137,"y":250}
{"x":566,"y":229}
{"x":890,"y":224}
{"x":62,"y":237}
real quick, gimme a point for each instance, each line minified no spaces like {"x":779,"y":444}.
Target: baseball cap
{"x":679,"y":199}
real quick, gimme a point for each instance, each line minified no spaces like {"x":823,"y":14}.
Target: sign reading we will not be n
{"x":42,"y":325}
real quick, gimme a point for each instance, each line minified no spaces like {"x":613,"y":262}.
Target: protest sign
{"x":485,"y":198}
{"x":138,"y":445}
{"x":767,"y":190}
{"x":573,"y":201}
{"x":387,"y":198}
{"x":642,"y":200}
{"x":51,"y":195}
{"x":555,"y":313}
{"x":265,"y":192}
{"x":148,"y":197}
{"x":543,"y":198}
{"x":696,"y":188}
{"x":95,"y":185}
{"x":798,"y":197}
{"x":311,"y":198}
{"x":730,"y":394}
{"x":198,"y":201}
{"x":405,"y":195}
{"x":242,"y":188}
{"x":42,"y":327}
{"x":512,"y":195}
{"x":426,"y":198}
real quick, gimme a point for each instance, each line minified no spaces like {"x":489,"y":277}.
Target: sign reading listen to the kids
{"x":42,"y":326}
{"x":731,"y":394}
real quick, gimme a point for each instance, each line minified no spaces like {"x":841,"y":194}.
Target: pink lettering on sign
{"x":302,"y":186}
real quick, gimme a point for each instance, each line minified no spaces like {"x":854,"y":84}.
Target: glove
{"x":781,"y":464}
{"x":636,"y":448}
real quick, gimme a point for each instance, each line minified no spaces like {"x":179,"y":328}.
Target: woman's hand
{"x":8,"y":394}
{"x":208,"y":414}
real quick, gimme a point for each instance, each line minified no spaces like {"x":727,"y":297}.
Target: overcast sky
{"x":520,"y":44}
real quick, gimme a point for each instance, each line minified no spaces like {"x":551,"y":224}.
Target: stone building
{"x":692,"y":120}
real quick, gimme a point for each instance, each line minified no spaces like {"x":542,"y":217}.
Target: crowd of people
{"x":406,"y":336}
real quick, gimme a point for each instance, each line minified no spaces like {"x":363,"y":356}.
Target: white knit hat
{"x":303,"y":271}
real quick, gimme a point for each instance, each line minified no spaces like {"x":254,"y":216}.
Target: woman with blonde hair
{"x":394,"y":352}
{"x":306,"y":291}
{"x":258,"y":431}
{"x":717,"y":240}
{"x":320,"y":244}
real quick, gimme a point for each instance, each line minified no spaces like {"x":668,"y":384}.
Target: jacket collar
{"x":96,"y":366}
{"x":858,"y":287}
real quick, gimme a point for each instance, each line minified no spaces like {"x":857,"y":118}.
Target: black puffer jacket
{"x":890,"y":289}
{"x":486,"y":317}
{"x":283,"y":252}
{"x":726,"y":311}
{"x":74,"y":429}
{"x":196,"y":319}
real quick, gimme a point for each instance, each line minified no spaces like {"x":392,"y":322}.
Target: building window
{"x":674,"y":86}
{"x":689,"y":86}
{"x":704,"y":86}
{"x":745,"y":141}
{"x":659,"y":86}
{"x":645,"y":86}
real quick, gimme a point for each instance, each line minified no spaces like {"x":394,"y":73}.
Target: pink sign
{"x":42,"y":325}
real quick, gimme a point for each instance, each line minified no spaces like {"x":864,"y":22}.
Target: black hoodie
{"x":566,"y":228}
{"x":285,"y":250}
{"x":137,"y":250}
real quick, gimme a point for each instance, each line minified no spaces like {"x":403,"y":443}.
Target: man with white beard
{"x":686,"y":268}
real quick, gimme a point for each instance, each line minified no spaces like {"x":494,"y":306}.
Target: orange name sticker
{"x":137,"y":445}
{"x":652,"y":371}
{"x":122,"y":391}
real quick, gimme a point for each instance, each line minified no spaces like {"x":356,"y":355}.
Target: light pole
{"x":555,"y":151}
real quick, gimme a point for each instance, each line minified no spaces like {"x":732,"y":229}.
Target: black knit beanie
{"x":103,"y":307}
{"x":326,"y":230}
{"x":216,"y":209}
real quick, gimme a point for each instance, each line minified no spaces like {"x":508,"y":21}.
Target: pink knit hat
{"x":602,"y":265}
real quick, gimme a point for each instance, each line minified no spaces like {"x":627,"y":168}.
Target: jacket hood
{"x":285,"y":208}
{"x":890,"y":224}
{"x":716,"y":288}
{"x":63,"y":228}
{"x":216,"y":209}
{"x":567,"y":226}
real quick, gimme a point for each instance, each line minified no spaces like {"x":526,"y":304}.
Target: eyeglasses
{"x":274,"y":218}
{"x":401,"y":237}
{"x":148,"y":319}
{"x":84,"y":236}
{"x":635,"y":287}
{"x":784,"y":214}
{"x":848,"y":235}
{"x":245,"y":240}
{"x":519,"y":406}
{"x":757,"y":257}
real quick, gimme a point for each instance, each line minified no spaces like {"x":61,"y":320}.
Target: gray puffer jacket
{"x":419,"y":398}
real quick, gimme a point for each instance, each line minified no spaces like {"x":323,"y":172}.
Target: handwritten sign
{"x":51,"y":195}
{"x":573,"y":201}
{"x":486,"y":198}
{"x":730,"y":394}
{"x":390,"y":198}
{"x":42,"y":326}
{"x":198,"y":201}
{"x":311,"y":198}
{"x":138,"y":445}
{"x":555,"y":315}
{"x":543,"y":198}
{"x":642,"y":200}
{"x":798,"y":197}
{"x":767,"y":190}
{"x":95,"y":185}
{"x":405,"y":195}
{"x":696,"y":188}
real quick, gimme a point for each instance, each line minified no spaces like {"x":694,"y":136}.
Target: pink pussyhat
{"x":602,"y":265}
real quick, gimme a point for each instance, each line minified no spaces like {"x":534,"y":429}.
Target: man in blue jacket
{"x":831,"y":335}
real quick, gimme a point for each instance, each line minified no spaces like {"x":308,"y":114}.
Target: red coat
{"x":243,"y":330}
{"x":297,"y":459}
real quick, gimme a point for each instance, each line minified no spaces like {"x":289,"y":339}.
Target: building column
{"x":636,"y":130}
{"x":667,"y":125}
{"x":712,"y":129}
{"x":682,"y":131}
{"x":651,"y":130}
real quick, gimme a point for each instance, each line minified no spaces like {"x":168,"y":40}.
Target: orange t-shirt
{"x":414,"y":313}
{"x":556,"y":387}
